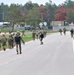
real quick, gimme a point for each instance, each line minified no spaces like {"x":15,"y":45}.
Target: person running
{"x":18,"y":40}
{"x":41,"y":37}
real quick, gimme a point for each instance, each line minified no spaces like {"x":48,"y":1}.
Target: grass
{"x":27,"y":38}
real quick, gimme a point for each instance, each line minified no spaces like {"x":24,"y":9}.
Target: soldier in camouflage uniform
{"x":64,"y":31}
{"x":37,"y":34}
{"x":45,"y":32}
{"x":11,"y":41}
{"x":4,"y":40}
{"x":33,"y":35}
{"x":23,"y":33}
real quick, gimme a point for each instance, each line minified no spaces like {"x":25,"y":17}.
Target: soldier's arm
{"x":22,"y":40}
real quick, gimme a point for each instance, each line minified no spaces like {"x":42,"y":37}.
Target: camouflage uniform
{"x":64,"y":31}
{"x":45,"y":32}
{"x":33,"y":35}
{"x":23,"y":33}
{"x":37,"y":34}
{"x":11,"y":41}
{"x":0,"y":44}
{"x":4,"y":40}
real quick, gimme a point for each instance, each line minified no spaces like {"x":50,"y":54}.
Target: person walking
{"x":18,"y":40}
{"x":33,"y":35}
{"x":72,"y":32}
{"x":60,"y":30}
{"x":11,"y":41}
{"x":64,"y":31}
{"x":23,"y":33}
{"x":4,"y":40}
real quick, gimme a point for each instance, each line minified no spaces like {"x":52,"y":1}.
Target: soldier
{"x":60,"y":30}
{"x":11,"y":41}
{"x":18,"y":40}
{"x":64,"y":31}
{"x":10,"y":32}
{"x":23,"y":33}
{"x":45,"y":32}
{"x":37,"y":33}
{"x":72,"y":32}
{"x":33,"y":35}
{"x":41,"y":37}
{"x":4,"y":40}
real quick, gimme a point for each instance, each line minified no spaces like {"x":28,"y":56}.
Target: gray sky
{"x":33,"y":1}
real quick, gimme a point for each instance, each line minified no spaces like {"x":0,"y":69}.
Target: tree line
{"x":32,"y":13}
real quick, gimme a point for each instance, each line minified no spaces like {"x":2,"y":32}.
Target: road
{"x":54,"y":57}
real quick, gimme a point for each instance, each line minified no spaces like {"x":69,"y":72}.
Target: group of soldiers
{"x":39,"y":35}
{"x":11,"y":41}
{"x":62,"y":30}
{"x":14,"y":39}
{"x":4,"y":40}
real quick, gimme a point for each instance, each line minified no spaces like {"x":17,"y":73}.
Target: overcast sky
{"x":33,"y":1}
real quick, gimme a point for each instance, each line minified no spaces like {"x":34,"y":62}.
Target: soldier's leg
{"x":12,"y":45}
{"x":61,"y":33}
{"x":41,"y":40}
{"x":71,"y":35}
{"x":20,"y":48}
{"x":9,"y":45}
{"x":17,"y":48}
{"x":4,"y":47}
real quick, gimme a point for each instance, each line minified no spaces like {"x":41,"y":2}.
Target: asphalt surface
{"x":54,"y":57}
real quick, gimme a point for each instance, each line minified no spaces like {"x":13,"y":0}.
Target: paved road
{"x":55,"y":57}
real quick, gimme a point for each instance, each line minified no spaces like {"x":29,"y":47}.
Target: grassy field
{"x":27,"y":37}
